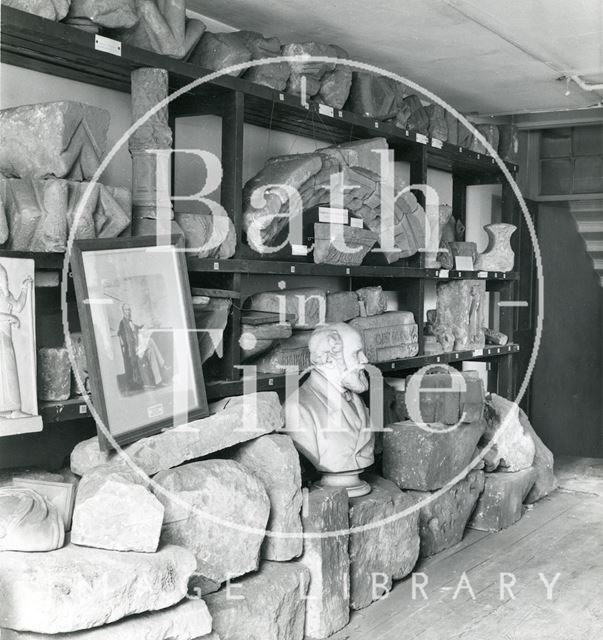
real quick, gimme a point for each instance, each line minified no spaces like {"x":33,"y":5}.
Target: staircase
{"x":589,"y":220}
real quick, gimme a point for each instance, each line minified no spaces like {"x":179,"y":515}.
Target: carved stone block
{"x":490,"y":132}
{"x":293,"y":353}
{"x":307,"y":306}
{"x":113,"y":14}
{"x":388,"y":336}
{"x":335,"y":85}
{"x":273,"y":75}
{"x":461,"y":311}
{"x":340,"y":244}
{"x":54,"y":10}
{"x":438,"y":127}
{"x":373,"y":300}
{"x":372,"y":96}
{"x":214,"y":236}
{"x":54,"y":374}
{"x":342,"y":306}
{"x":418,"y":119}
{"x":508,"y":143}
{"x":218,"y":51}
{"x":62,"y":139}
{"x":312,"y":70}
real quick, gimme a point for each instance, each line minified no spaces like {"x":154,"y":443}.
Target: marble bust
{"x":28,"y":522}
{"x":328,"y":420}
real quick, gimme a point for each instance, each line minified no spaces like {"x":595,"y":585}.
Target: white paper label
{"x":299,"y":250}
{"x":281,"y":96}
{"x":422,"y":139}
{"x":326,"y":110}
{"x":356,"y":222}
{"x":438,"y":144}
{"x":444,"y":273}
{"x":482,"y":274}
{"x":463,"y":263}
{"x":83,"y":409}
{"x":478,"y":352}
{"x":332,"y":215}
{"x":108,"y":45}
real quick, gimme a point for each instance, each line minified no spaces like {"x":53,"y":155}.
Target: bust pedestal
{"x":348,"y":480}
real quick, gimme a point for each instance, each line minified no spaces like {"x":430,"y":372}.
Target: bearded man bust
{"x":327,"y":419}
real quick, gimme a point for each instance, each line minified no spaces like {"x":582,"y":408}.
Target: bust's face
{"x":354,"y":377}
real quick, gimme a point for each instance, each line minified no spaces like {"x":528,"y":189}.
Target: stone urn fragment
{"x":498,"y":256}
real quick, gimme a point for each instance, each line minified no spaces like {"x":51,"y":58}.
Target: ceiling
{"x":481,"y":56}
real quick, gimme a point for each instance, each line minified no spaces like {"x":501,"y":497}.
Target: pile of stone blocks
{"x":50,"y":152}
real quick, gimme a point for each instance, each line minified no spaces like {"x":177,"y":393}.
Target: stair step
{"x":590,"y":226}
{"x":598,"y":264}
{"x":594,"y":246}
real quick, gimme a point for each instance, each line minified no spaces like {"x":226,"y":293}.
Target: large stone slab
{"x":307,"y":306}
{"x":343,"y":245}
{"x":425,"y":458}
{"x":273,"y":75}
{"x":217,"y":51}
{"x":41,"y":213}
{"x":54,"y":374}
{"x":189,"y":620}
{"x":232,"y":421}
{"x":312,"y":70}
{"x":274,"y":460}
{"x":443,"y":520}
{"x":62,"y":139}
{"x":114,"y":14}
{"x":385,"y":551}
{"x":513,"y":448}
{"x":114,"y":510}
{"x":372,"y":96}
{"x":268,"y":605}
{"x":290,"y":353}
{"x":388,"y":336}
{"x":212,"y":236}
{"x":501,"y":503}
{"x":75,"y":588}
{"x":218,"y":510}
{"x":461,"y":310}
{"x":342,"y":306}
{"x":328,"y":561}
{"x":54,"y":10}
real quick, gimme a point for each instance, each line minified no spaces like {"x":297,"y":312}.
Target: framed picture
{"x":61,"y":494}
{"x":139,"y":334}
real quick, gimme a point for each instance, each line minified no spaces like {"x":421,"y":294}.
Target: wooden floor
{"x":561,"y":534}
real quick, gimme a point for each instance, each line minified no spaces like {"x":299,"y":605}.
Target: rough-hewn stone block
{"x":342,"y":306}
{"x":308,"y":305}
{"x":213,"y":236}
{"x":54,"y":374}
{"x":388,"y":336}
{"x":340,"y":244}
{"x":54,"y":10}
{"x":217,"y":51}
{"x":373,"y":299}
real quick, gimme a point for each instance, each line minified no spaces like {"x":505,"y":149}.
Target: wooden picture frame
{"x":136,"y":314}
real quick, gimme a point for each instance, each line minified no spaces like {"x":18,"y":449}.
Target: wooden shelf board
{"x":44,"y":261}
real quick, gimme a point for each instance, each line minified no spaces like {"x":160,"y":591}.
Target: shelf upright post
{"x":418,"y":176}
{"x":459,"y":198}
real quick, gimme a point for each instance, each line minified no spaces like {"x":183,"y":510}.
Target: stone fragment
{"x":335,"y":85}
{"x":438,"y":127}
{"x":386,"y":551}
{"x":515,"y":448}
{"x":490,"y":132}
{"x":499,"y":255}
{"x":28,"y":522}
{"x":495,"y":337}
{"x":41,"y":213}
{"x":418,"y":120}
{"x":113,"y":14}
{"x":217,"y":51}
{"x":220,"y":515}
{"x":212,"y":235}
{"x":342,"y":306}
{"x":545,"y":482}
{"x":442,"y":521}
{"x":211,"y":318}
{"x":452,"y":125}
{"x":312,"y":70}
{"x":81,"y":365}
{"x":373,"y":299}
{"x":54,"y":374}
{"x":508,"y":143}
{"x":372,"y":96}
{"x":7,"y":476}
{"x":427,"y":458}
{"x":114,"y":510}
{"x":273,"y":75}
{"x":256,"y":339}
{"x":457,"y":249}
{"x":75,"y":588}
{"x":275,"y":462}
{"x":340,"y":244}
{"x":232,"y":421}
{"x":501,"y":503}
{"x":307,"y":306}
{"x":431,"y":346}
{"x":267,"y":605}
{"x":327,"y":560}
{"x":62,"y":139}
{"x":189,"y":620}
{"x":54,"y":10}
{"x":388,"y":336}
{"x":461,"y":311}
{"x":358,"y":153}
{"x":162,"y":27}
{"x":292,"y":353}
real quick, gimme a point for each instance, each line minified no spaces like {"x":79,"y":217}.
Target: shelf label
{"x":108,"y":45}
{"x":482,"y":274}
{"x":281,"y":96}
{"x":420,"y":138}
{"x":333,"y":215}
{"x":478,"y":352}
{"x":376,"y":125}
{"x":299,"y":250}
{"x":216,"y":266}
{"x":438,"y":144}
{"x":356,"y":222}
{"x":325,"y":110}
{"x":444,"y":273}
{"x":83,"y":409}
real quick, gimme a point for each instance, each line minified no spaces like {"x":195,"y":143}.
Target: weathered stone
{"x":188,"y":620}
{"x":490,"y":132}
{"x":223,"y":518}
{"x":498,"y":256}
{"x":508,"y":143}
{"x":335,"y":85}
{"x":81,"y":364}
{"x":54,"y":10}
{"x":501,"y":503}
{"x":273,"y":75}
{"x":431,"y":346}
{"x":272,"y":331}
{"x":308,"y":305}
{"x":495,"y":337}
{"x":327,"y":559}
{"x":75,"y":588}
{"x":268,"y":605}
{"x":114,"y":510}
{"x":372,"y":96}
{"x":340,"y":244}
{"x":115,"y":14}
{"x":438,"y":127}
{"x":425,"y":459}
{"x":54,"y":374}
{"x":218,"y":51}
{"x":460,"y":310}
{"x":358,"y":153}
{"x":418,"y":120}
{"x":461,"y":249}
{"x":385,"y":551}
{"x":232,"y":421}
{"x":312,"y":70}
{"x":7,"y":476}
{"x":373,"y":299}
{"x":442,"y":521}
{"x":162,"y":27}
{"x":41,"y":213}
{"x":211,"y":318}
{"x":515,"y":448}
{"x":275,"y":462}
{"x":292,"y":352}
{"x":214,"y":236}
{"x":452,"y":125}
{"x":388,"y":336}
{"x":342,"y":306}
{"x":62,"y":139}
{"x":28,"y":522}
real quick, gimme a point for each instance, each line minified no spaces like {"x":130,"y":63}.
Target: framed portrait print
{"x":137,"y":322}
